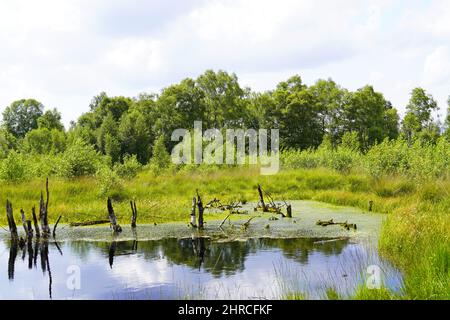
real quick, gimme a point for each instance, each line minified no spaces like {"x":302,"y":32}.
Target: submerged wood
{"x":345,"y":225}
{"x":112,"y":217}
{"x":88,"y":223}
{"x":223,"y":221}
{"x":10,"y":218}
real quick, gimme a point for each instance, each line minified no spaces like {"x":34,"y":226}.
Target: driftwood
{"x":270,"y":205}
{"x":55,"y":226}
{"x":133,"y":213}
{"x":200,"y":211}
{"x":223,"y":221}
{"x":112,"y":217}
{"x":35,"y":222}
{"x":247,"y":224}
{"x":216,"y":204}
{"x":10,"y":218}
{"x":345,"y":225}
{"x":88,"y":223}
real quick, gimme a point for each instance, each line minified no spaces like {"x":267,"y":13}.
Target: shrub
{"x":386,"y":158}
{"x":129,"y":168}
{"x":79,"y":159}
{"x":161,"y":158}
{"x":341,"y":160}
{"x":109,"y":183}
{"x":14,"y":167}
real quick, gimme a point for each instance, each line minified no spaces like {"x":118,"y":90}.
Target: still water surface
{"x":187,"y":268}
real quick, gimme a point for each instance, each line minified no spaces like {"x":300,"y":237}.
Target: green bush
{"x":160,"y":158}
{"x":109,"y":183}
{"x":14,"y":167}
{"x":78,"y":160}
{"x":129,"y":168}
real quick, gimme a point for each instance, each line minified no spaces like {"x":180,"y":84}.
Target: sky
{"x":62,"y":53}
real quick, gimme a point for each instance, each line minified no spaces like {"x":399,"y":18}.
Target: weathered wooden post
{"x":30,"y":230}
{"x":200,"y":211}
{"x":133,"y":214}
{"x":112,"y":217}
{"x":193,"y":221}
{"x":12,"y":258}
{"x":35,"y":222}
{"x":43,"y":212}
{"x":289,"y":211}
{"x":24,"y":222}
{"x":370,"y":205}
{"x":10,"y":218}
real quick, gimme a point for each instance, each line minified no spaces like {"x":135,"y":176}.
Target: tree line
{"x":119,"y":127}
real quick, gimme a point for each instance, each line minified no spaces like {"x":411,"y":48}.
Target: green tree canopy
{"x":50,"y":120}
{"x":22,"y":116}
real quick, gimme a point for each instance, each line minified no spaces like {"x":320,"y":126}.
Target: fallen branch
{"x":345,"y":225}
{"x":247,"y":224}
{"x":88,"y":223}
{"x":223,"y":221}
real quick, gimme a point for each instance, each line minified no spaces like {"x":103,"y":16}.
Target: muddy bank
{"x":305,"y":214}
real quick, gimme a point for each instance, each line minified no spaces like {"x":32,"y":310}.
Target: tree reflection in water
{"x":221,"y":258}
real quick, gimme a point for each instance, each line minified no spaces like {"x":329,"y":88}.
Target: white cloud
{"x":64,"y":52}
{"x":437,"y":66}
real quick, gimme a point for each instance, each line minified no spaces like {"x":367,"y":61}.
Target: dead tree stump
{"x":133,"y":214}
{"x":200,"y":211}
{"x":289,"y":211}
{"x":43,"y":212}
{"x":24,"y":222}
{"x":11,"y":222}
{"x":112,"y":218}
{"x":193,"y":221}
{"x":370,"y":205}
{"x":261,"y":199}
{"x":30,"y":230}
{"x":35,"y":222}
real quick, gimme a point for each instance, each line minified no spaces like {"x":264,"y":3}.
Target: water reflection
{"x":175,"y":268}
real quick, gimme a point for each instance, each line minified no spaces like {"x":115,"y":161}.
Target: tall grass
{"x":409,"y":183}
